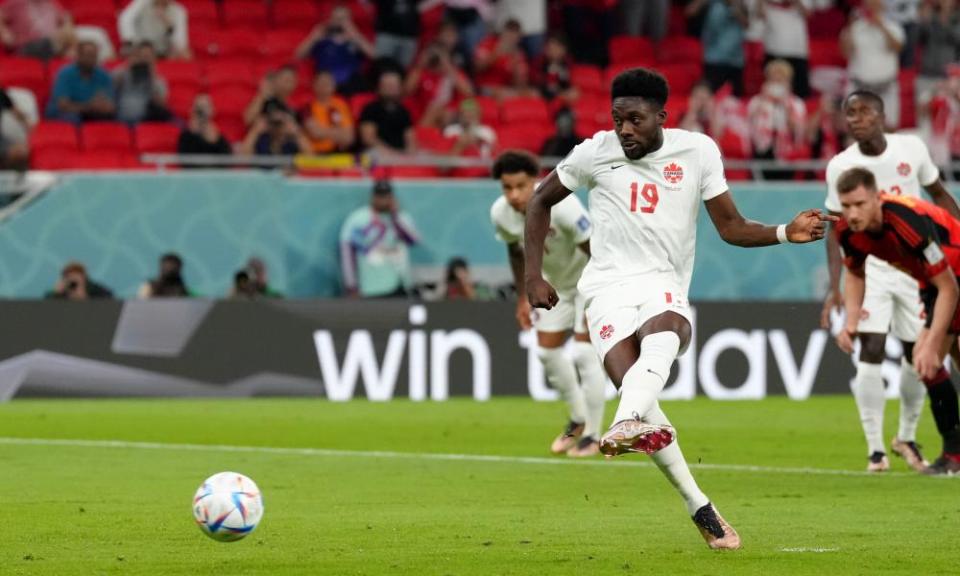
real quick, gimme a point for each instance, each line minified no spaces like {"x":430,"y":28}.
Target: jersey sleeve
{"x":713,"y":182}
{"x":576,"y":170}
{"x":500,"y":230}
{"x":927,"y":171}
{"x":832,"y":203}
{"x":574,"y":220}
{"x":919,"y":234}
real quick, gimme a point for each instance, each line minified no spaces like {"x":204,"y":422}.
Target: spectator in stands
{"x":36,"y":28}
{"x":501,"y":65}
{"x":276,"y":89}
{"x":695,"y":11}
{"x":434,"y":84}
{"x":826,"y":128}
{"x":374,"y":243}
{"x":14,"y":132}
{"x":327,"y":120}
{"x":141,"y":91}
{"x":385,"y":124}
{"x":872,"y":45}
{"x":472,"y":136}
{"x":645,"y":18}
{"x":397,"y":30}
{"x":336,"y":45}
{"x":905,"y":13}
{"x":74,"y":284}
{"x":786,"y":38}
{"x":202,"y":135}
{"x":448,"y":40}
{"x":724,"y":27}
{"x":242,"y":288}
{"x":701,"y":110}
{"x":551,"y":72}
{"x":587,"y":25}
{"x":275,"y":133}
{"x":469,"y":16}
{"x":459,"y":284}
{"x":777,"y":116}
{"x":944,"y":112}
{"x":257,"y":271}
{"x":938,"y":35}
{"x":82,"y":90}
{"x":162,"y":23}
{"x":532,"y":16}
{"x":565,"y":137}
{"x":169,"y":281}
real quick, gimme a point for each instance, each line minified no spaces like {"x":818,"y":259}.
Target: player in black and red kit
{"x":922,"y":240}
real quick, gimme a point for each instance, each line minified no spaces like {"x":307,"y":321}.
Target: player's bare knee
{"x":872,"y":347}
{"x":667,"y":322}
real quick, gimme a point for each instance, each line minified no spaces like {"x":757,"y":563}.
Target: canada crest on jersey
{"x":903,"y":169}
{"x":673,"y":173}
{"x":606,"y":331}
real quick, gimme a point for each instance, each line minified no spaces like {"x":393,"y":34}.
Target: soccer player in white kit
{"x":646,"y":184}
{"x":901,"y":165}
{"x":567,"y":252}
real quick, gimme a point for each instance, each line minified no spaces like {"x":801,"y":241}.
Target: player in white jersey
{"x":902,"y":166}
{"x":568,"y":249}
{"x":646,"y":184}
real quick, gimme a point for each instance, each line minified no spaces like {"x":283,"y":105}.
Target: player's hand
{"x":541,"y":294}
{"x":809,"y":226}
{"x":833,"y":301}
{"x":925,"y":358}
{"x":523,"y":313}
{"x":845,"y":339}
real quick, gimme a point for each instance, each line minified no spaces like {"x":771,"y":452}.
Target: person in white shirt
{"x":646,"y":184}
{"x":580,"y":380}
{"x":902,"y":166}
{"x":786,"y":37}
{"x":872,"y":44}
{"x":162,"y":23}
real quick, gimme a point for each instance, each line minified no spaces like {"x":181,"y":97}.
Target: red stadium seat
{"x":156,"y":137}
{"x":93,"y":12}
{"x":103,"y":160}
{"x":181,"y":73}
{"x":180,"y":100}
{"x":680,"y":50}
{"x":489,"y":110}
{"x":55,"y":137}
{"x":51,"y":159}
{"x":825,"y":52}
{"x":279,"y":45}
{"x":230,"y":101}
{"x":633,"y":49}
{"x":524,"y":109}
{"x":246,"y":14}
{"x":431,"y":139}
{"x":25,"y":73}
{"x":358,"y":101}
{"x":528,"y":137}
{"x":587,"y":78}
{"x":230,"y":43}
{"x":106,"y":137}
{"x":232,"y":128}
{"x":591,"y":114}
{"x":226,"y":72}
{"x":301,"y":15}
{"x":681,"y":77}
{"x":202,"y":13}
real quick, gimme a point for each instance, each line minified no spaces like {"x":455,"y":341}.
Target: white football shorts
{"x":892,"y":302}
{"x":567,"y":314}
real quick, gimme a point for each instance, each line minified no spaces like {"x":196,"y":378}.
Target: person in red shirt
{"x":501,"y":64}
{"x":923,"y":240}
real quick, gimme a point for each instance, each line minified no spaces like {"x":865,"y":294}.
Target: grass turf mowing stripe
{"x":325,"y":452}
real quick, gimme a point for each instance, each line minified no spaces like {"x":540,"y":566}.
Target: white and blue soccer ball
{"x":227,"y":506}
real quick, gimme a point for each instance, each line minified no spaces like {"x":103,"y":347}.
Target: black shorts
{"x":928,"y":296}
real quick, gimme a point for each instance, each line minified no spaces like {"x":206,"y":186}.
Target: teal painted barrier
{"x":118,"y":224}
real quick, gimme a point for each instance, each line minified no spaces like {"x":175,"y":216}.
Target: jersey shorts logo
{"x":673,"y":173}
{"x":933,"y":254}
{"x":606,"y":332}
{"x":583,"y":224}
{"x":903,"y":169}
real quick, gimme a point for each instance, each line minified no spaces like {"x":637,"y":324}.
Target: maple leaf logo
{"x":673,"y":173}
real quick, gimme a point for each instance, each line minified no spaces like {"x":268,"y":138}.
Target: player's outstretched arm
{"x":833,"y":300}
{"x":807,"y":226}
{"x":549,"y":193}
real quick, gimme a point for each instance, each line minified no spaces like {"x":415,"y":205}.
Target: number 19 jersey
{"x":644,"y":211}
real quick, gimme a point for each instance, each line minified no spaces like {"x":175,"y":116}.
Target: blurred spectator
{"x":938,"y":35}
{"x":36,"y":28}
{"x":501,"y":65}
{"x":694,"y":11}
{"x":385,"y":123}
{"x":336,"y":45}
{"x":701,"y":110}
{"x":141,"y":92}
{"x":242,"y":288}
{"x":587,"y":25}
{"x":257,"y":272}
{"x":532,"y":16}
{"x":82,"y":90}
{"x":275,"y":133}
{"x":905,"y":13}
{"x":276,"y":88}
{"x":459,"y":284}
{"x":397,"y":30}
{"x":327,"y":120}
{"x":777,"y":116}
{"x":469,"y":16}
{"x":872,"y":44}
{"x":786,"y":38}
{"x":551,"y":72}
{"x":169,"y":281}
{"x":433,"y":84}
{"x":14,"y":132}
{"x":472,"y":137}
{"x":448,"y":40}
{"x":374,"y":242}
{"x":645,"y":17}
{"x":826,"y":128}
{"x":564,"y":139}
{"x":724,"y":27}
{"x":202,"y":135}
{"x":74,"y":284}
{"x":162,"y":23}
{"x":944,"y":111}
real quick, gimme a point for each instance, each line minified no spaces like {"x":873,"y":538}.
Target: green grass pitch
{"x":125,"y":509}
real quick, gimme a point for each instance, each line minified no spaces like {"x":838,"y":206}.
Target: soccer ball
{"x":227,"y":506}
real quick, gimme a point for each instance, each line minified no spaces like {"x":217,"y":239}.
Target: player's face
{"x":862,"y":209}
{"x":638,"y":125}
{"x":864,"y":120}
{"x":517,"y":189}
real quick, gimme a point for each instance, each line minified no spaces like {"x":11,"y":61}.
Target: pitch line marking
{"x":813,"y":550}
{"x":437,"y":456}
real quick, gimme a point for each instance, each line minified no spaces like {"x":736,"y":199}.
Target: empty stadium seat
{"x":156,"y":137}
{"x":245,"y":14}
{"x":102,"y":160}
{"x":202,"y":13}
{"x":682,"y":76}
{"x":358,"y":101}
{"x":632,"y":49}
{"x":181,"y":72}
{"x":229,"y":43}
{"x":431,"y":139}
{"x":524,"y":109}
{"x":106,"y":137}
{"x":587,"y":78}
{"x":25,"y":73}
{"x":227,"y":72}
{"x":180,"y":100}
{"x":528,"y":137}
{"x":826,"y":52}
{"x":679,"y":49}
{"x":280,"y":44}
{"x":230,"y":101}
{"x":54,"y":137}
{"x":301,"y":15}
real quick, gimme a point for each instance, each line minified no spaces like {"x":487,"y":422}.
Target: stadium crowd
{"x":91,"y":84}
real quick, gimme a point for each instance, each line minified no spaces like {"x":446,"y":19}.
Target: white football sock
{"x":646,"y":378}
{"x":868,"y":391}
{"x":592,"y":381}
{"x":562,"y":376}
{"x":671,"y":462}
{"x":912,"y":395}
